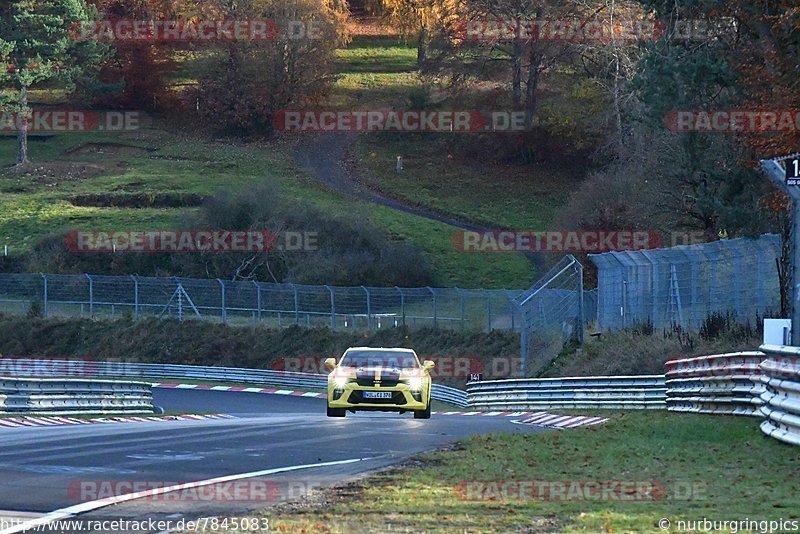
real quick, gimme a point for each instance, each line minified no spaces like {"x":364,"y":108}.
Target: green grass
{"x":375,"y":72}
{"x":713,"y":467}
{"x":31,"y":207}
{"x":434,"y":177}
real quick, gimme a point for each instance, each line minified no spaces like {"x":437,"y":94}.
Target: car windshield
{"x":373,"y":358}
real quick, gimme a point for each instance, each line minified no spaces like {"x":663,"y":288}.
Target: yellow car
{"x":387,"y":380}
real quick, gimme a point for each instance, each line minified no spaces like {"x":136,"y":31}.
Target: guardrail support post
{"x":135,"y":297}
{"x":44,"y":292}
{"x":333,"y":308}
{"x":91,"y":296}
{"x":222,"y":303}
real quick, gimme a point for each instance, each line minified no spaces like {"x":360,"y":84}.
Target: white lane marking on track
{"x":90,"y":506}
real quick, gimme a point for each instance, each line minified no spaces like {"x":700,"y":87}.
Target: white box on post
{"x":777,"y":331}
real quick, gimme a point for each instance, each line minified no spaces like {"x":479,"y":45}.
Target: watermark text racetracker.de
{"x":554,"y":240}
{"x":203,"y":524}
{"x":197,"y":241}
{"x":573,"y":30}
{"x":223,"y":30}
{"x":457,"y":121}
{"x":71,"y":120}
{"x":734,"y":120}
{"x":580,"y":490}
{"x":245,"y":491}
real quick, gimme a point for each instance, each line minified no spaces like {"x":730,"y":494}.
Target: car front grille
{"x":370,"y":382}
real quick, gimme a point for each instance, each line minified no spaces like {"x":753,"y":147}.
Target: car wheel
{"x":336,"y":412}
{"x":423,"y":414}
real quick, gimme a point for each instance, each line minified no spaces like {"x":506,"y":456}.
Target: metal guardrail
{"x":781,"y":395}
{"x":74,"y":396}
{"x":605,"y":392}
{"x":719,"y":384}
{"x":264,"y":377}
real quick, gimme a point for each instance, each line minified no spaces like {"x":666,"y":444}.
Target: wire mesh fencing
{"x":682,"y":286}
{"x":553,"y":312}
{"x":241,"y":302}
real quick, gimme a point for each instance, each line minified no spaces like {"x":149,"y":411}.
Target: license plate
{"x":377,"y":394}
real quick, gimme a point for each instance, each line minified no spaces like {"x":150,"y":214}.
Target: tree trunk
{"x":421,"y":46}
{"x":533,"y":82}
{"x":22,"y":131}
{"x":516,"y":75}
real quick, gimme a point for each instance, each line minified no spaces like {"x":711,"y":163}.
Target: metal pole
{"x":433,"y":296}
{"x":402,"y":304}
{"x":91,"y":296}
{"x":777,"y":174}
{"x":333,"y":308}
{"x":296,"y":305}
{"x":258,"y":299}
{"x":795,"y":272}
{"x":222,"y":303}
{"x":44,"y":308}
{"x":461,"y":298}
{"x":581,"y":311}
{"x":135,"y":296}
{"x":369,"y":308}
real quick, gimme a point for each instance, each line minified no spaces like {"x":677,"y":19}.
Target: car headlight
{"x":415,"y":383}
{"x":340,"y":381}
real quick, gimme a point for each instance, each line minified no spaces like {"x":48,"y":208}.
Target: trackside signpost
{"x":785,"y":173}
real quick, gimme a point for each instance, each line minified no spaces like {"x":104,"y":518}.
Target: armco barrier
{"x":781,"y":396}
{"x":605,"y":392}
{"x":723,"y":384}
{"x":264,"y":377}
{"x":74,"y":396}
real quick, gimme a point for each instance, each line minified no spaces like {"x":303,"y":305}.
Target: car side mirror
{"x":428,"y":365}
{"x":330,"y":363}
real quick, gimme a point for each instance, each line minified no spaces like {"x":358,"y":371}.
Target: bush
{"x":349,"y":250}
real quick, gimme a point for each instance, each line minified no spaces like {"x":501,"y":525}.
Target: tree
{"x":250,"y":80}
{"x":36,"y":45}
{"x":140,"y":70}
{"x":422,"y":20}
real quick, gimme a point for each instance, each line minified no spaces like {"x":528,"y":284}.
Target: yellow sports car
{"x":387,"y":380}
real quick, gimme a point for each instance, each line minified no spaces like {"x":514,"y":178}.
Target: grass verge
{"x":720,"y":468}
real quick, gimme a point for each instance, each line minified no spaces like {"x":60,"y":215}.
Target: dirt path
{"x":324,"y":157}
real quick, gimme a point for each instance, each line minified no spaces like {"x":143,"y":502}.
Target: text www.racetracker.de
{"x":204,"y":524}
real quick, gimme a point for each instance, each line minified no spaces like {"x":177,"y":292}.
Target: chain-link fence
{"x":360,"y":308}
{"x":682,"y":286}
{"x":553,"y":313}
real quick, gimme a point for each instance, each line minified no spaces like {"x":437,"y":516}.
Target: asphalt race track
{"x":42,"y":468}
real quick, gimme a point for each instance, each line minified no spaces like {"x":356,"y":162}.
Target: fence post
{"x":511,"y":309}
{"x":135,"y":297}
{"x":258,"y":299}
{"x":296,"y":305}
{"x":581,"y":310}
{"x":369,"y":308}
{"x":91,"y":296}
{"x":461,"y":297}
{"x":488,"y":309}
{"x":433,"y":296}
{"x":402,"y":304}
{"x":222,"y":303}
{"x":44,"y":307}
{"x":333,"y":308}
